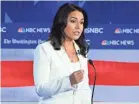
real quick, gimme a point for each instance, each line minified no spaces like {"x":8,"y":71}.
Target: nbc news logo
{"x":33,"y":30}
{"x":127,"y":31}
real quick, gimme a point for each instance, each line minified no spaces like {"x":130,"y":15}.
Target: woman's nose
{"x":77,"y":25}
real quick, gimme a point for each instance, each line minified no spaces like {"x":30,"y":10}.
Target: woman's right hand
{"x":76,"y":77}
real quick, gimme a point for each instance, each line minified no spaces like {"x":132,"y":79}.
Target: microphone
{"x":91,"y":62}
{"x":78,"y":52}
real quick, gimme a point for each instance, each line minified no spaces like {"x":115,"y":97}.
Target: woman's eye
{"x":72,"y":21}
{"x":82,"y":22}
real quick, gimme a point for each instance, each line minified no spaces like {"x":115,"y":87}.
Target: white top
{"x":76,"y":66}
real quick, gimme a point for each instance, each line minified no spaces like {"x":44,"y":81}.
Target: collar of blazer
{"x":76,"y":47}
{"x":64,"y":57}
{"x":62,"y":50}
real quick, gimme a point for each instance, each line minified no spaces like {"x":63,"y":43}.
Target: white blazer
{"x":51,"y":76}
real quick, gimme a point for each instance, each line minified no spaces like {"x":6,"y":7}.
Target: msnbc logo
{"x":94,"y":30}
{"x":118,"y":31}
{"x":2,"y":29}
{"x":21,"y":30}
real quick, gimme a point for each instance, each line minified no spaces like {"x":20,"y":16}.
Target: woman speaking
{"x":60,"y":64}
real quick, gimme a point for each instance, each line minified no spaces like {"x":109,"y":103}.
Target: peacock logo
{"x":118,"y":31}
{"x":21,"y":30}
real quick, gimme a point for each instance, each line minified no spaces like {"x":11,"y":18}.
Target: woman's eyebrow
{"x":76,"y":18}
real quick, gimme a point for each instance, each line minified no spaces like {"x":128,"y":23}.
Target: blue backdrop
{"x":112,"y":25}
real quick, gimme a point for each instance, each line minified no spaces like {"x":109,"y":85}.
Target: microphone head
{"x":78,"y":52}
{"x":90,"y":61}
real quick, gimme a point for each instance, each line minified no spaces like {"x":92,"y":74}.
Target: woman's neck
{"x":68,"y":43}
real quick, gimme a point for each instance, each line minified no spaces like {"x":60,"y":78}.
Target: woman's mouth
{"x":76,"y":33}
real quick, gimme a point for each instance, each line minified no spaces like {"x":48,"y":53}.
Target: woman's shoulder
{"x":46,"y":46}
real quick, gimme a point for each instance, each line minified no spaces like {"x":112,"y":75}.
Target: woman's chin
{"x":76,"y":37}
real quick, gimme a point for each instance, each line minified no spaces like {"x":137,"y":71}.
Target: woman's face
{"x":74,"y":28}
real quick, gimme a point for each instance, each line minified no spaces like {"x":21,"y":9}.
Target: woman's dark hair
{"x":60,"y":22}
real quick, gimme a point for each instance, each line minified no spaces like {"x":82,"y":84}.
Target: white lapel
{"x":64,"y":58}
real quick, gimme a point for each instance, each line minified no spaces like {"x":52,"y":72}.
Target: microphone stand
{"x":90,"y":61}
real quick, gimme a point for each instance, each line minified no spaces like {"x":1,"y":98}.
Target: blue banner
{"x":110,"y":36}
